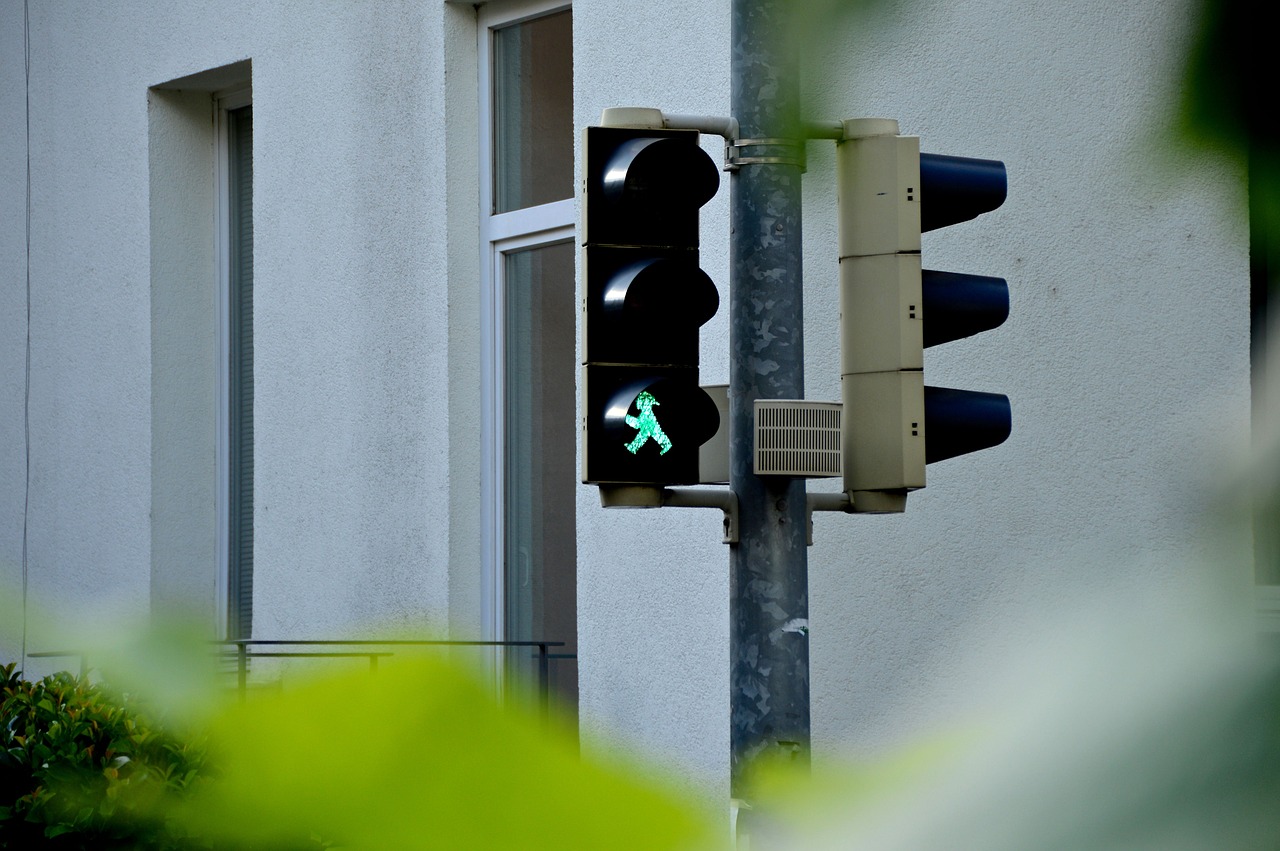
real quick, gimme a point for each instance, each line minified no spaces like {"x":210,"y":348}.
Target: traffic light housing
{"x":645,"y":297}
{"x":892,"y":309}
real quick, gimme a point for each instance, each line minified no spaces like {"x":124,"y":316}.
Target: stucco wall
{"x":1128,"y":371}
{"x":352,"y":422}
{"x":353,"y":435}
{"x":13,"y":321}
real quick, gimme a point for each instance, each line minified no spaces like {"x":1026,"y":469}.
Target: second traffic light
{"x":645,"y":297}
{"x":892,"y":309}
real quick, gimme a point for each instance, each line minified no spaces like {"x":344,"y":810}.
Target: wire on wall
{"x":26,"y":393}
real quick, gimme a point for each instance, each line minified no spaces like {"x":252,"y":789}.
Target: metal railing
{"x":53,"y":654}
{"x":243,"y":653}
{"x":242,"y":650}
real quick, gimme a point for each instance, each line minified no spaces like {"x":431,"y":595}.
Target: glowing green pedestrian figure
{"x":647,"y":425}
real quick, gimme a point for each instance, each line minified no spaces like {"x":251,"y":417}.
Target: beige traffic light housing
{"x":881,"y":315}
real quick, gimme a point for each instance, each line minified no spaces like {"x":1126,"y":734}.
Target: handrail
{"x":84,"y":658}
{"x":243,"y":654}
{"x":242,"y":648}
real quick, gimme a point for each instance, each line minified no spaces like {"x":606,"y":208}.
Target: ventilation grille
{"x":797,"y":438}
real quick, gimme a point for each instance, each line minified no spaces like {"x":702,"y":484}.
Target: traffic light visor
{"x":958,"y":305}
{"x":653,"y":290}
{"x":655,"y":172}
{"x":640,"y":408}
{"x":956,"y":189}
{"x":644,"y":187}
{"x":957,"y":422}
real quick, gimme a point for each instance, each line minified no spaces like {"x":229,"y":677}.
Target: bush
{"x":82,"y":768}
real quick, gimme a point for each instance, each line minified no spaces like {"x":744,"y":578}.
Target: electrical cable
{"x":26,"y":393}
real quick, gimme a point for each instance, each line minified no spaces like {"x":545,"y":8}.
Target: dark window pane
{"x":540,"y":370}
{"x":533,"y":112}
{"x":240,"y":370}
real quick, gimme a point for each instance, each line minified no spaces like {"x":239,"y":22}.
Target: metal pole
{"x":544,"y":681}
{"x":769,"y":600}
{"x":242,"y":669}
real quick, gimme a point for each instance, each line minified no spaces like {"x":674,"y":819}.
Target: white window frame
{"x":502,"y":234}
{"x":223,"y":103}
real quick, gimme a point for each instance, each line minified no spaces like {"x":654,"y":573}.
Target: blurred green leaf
{"x":1227,"y":98}
{"x":437,"y":764}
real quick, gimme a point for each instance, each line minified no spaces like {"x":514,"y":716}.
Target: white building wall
{"x":351,"y":420}
{"x":13,"y":320}
{"x":1126,"y":354}
{"x":351,"y":395}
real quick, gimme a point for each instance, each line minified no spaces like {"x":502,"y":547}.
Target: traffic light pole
{"x":769,"y":600}
{"x":646,"y":419}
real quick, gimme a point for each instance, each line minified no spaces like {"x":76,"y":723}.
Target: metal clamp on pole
{"x":726,"y":126}
{"x":773,"y":151}
{"x":824,"y":502}
{"x":780,"y":151}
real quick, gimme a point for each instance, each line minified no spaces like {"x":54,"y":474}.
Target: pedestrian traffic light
{"x":892,"y":309}
{"x":644,"y":415}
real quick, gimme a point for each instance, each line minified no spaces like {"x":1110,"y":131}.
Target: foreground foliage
{"x":420,"y":755}
{"x":81,"y":768}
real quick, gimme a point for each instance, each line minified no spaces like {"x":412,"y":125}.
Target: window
{"x":1264,"y":266}
{"x":235,"y":361}
{"x":201,"y":187}
{"x":532,"y":112}
{"x":530,"y":315}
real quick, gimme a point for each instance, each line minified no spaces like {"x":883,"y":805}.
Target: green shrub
{"x":82,"y":768}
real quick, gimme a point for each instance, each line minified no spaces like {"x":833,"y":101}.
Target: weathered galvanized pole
{"x":769,"y":599}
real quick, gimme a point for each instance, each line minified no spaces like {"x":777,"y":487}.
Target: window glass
{"x":540,"y":458}
{"x":533,"y":112}
{"x":240,"y":374}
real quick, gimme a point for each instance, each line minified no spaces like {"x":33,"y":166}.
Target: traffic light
{"x":645,"y":416}
{"x":892,"y":309}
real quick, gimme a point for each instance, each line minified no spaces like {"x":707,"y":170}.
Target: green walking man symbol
{"x":647,"y":425}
